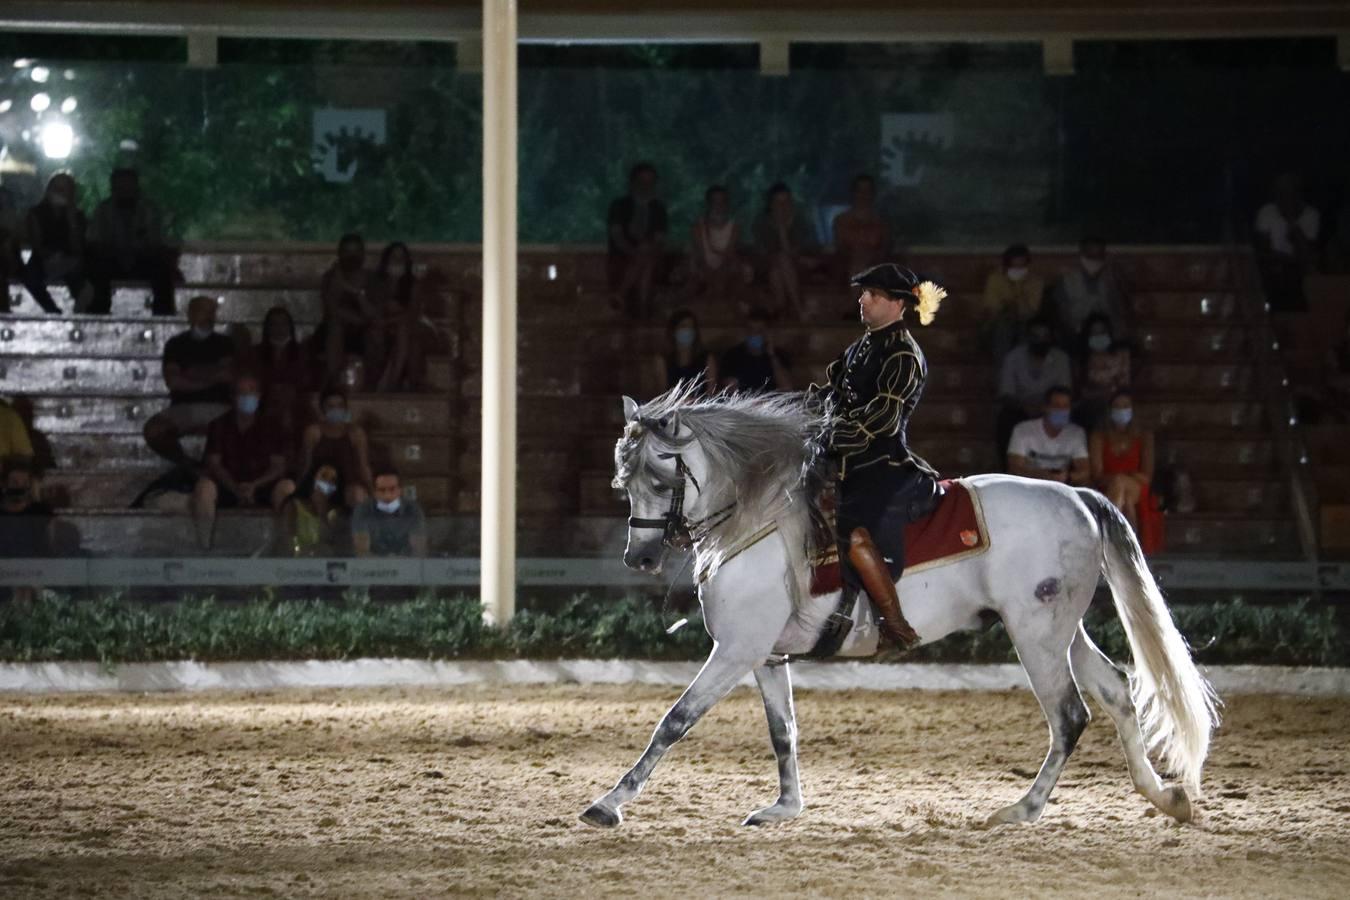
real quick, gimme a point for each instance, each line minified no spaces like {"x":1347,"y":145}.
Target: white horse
{"x":729,"y":470}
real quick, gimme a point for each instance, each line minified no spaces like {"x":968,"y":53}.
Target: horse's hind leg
{"x":775,"y":684}
{"x":718,"y":676}
{"x":1045,"y":656}
{"x":1104,"y":683}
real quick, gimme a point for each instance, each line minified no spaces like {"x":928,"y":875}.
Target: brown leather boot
{"x":876,"y":579}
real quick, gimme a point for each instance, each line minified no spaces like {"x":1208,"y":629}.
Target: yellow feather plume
{"x":930,"y":298}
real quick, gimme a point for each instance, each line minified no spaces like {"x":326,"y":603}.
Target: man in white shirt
{"x":1286,"y":233}
{"x":1051,"y":447}
{"x":1029,"y":370}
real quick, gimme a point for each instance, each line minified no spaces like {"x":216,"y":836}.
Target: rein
{"x":678,"y":531}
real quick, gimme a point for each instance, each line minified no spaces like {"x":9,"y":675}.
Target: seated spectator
{"x":16,"y":445}
{"x":1121,"y":453}
{"x":26,"y":524}
{"x":127,"y":242}
{"x":388,"y":524}
{"x":286,"y":373}
{"x":1029,"y":370}
{"x":787,"y":249}
{"x":335,"y":441}
{"x":198,"y":370}
{"x":1012,"y":295}
{"x":685,"y":358}
{"x":1090,"y":288}
{"x":715,"y":263}
{"x":56,"y":232}
{"x":44,"y":457}
{"x":1051,"y":447}
{"x":1103,"y":369}
{"x":11,"y":231}
{"x":1286,"y":238}
{"x":349,"y":314}
{"x":637,"y":226}
{"x":401,"y":330}
{"x":754,"y":364}
{"x":311,"y":519}
{"x":245,"y":463}
{"x":861,"y":236}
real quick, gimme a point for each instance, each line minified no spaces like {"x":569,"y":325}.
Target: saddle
{"x":952,"y":531}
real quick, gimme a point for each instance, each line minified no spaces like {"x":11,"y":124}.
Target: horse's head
{"x":663,"y":469}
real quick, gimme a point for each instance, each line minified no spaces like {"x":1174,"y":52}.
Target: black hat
{"x":895,"y":280}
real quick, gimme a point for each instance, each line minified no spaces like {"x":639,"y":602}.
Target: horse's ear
{"x":630,"y":409}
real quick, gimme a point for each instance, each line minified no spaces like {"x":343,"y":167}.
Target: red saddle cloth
{"x":953,"y":530}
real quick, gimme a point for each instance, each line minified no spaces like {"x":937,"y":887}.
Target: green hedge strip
{"x":114,"y":630}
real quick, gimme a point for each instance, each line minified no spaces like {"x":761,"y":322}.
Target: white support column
{"x":1057,"y":55}
{"x":202,"y":49}
{"x":774,"y":54}
{"x":498,"y":493}
{"x":1343,"y":51}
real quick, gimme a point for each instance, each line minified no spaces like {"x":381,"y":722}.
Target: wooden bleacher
{"x":95,"y":380}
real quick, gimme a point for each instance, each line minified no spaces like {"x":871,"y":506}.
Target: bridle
{"x":677,"y":531}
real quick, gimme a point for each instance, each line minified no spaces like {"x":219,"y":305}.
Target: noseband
{"x":677,"y":531}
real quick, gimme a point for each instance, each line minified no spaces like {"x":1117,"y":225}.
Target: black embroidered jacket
{"x":873,"y":388}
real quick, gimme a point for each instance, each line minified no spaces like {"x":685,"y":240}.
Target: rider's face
{"x":876,"y":309}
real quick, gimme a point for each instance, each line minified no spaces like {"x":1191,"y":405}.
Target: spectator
{"x":754,"y":364}
{"x":127,"y":241}
{"x":311,"y":517}
{"x":401,"y":330}
{"x":1029,"y":370}
{"x":348,"y":314}
{"x":1286,"y":235}
{"x":786,"y":247}
{"x":44,"y":457}
{"x":1103,"y":368}
{"x":1012,"y":295}
{"x":1051,"y":447}
{"x":685,"y":357}
{"x":335,"y":441}
{"x":56,"y":232}
{"x":26,"y":524}
{"x":387,"y":524}
{"x":11,"y":228}
{"x":15,"y":442}
{"x":637,"y":226}
{"x":286,"y":373}
{"x":861,"y":236}
{"x":1121,"y":453}
{"x":1091,"y":287}
{"x":715,"y":262}
{"x":1336,"y":402}
{"x":198,"y":370}
{"x":245,"y":463}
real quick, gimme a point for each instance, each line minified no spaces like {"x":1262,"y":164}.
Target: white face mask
{"x":390,"y":507}
{"x":1091,"y":266}
{"x":325,"y":487}
{"x":1018,"y":273}
{"x":1100,"y":342}
{"x":202,"y":332}
{"x":397,"y":270}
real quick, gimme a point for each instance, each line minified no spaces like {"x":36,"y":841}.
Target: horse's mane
{"x":758,"y":448}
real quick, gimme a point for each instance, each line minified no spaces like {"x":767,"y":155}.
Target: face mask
{"x":58,"y":200}
{"x":247,"y":403}
{"x":755,"y":343}
{"x":202,"y":332}
{"x":1091,"y":266}
{"x":325,"y":487}
{"x":1018,"y":273}
{"x":397,"y":271}
{"x":1122,"y":417}
{"x":684,"y":337}
{"x":338,"y":416}
{"x":390,"y":507}
{"x":279,"y":340}
{"x":1100,"y":342}
{"x":1057,"y":418}
{"x":16,"y":493}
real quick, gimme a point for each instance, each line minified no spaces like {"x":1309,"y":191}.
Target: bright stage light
{"x":40,"y":102}
{"x":5,"y":105}
{"x":41,"y":74}
{"x":57,"y":140}
{"x":68,"y":105}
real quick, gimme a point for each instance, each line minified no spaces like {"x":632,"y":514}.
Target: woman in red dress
{"x":1121,"y":455}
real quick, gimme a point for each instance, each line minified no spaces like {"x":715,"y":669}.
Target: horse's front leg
{"x":775,"y":684}
{"x":719,"y":675}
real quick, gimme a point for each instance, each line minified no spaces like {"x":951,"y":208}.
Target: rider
{"x":872,"y":390}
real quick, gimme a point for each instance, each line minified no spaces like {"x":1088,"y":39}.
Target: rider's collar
{"x":897,"y":325}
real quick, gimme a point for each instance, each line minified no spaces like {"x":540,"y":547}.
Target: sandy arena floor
{"x":416,"y":793}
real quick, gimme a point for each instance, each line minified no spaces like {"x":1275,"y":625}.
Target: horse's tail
{"x":1177,"y":706}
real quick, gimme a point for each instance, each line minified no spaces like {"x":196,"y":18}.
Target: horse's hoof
{"x":601,"y":816}
{"x":779,"y":812}
{"x":1017,"y":814}
{"x":1176,"y":804}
